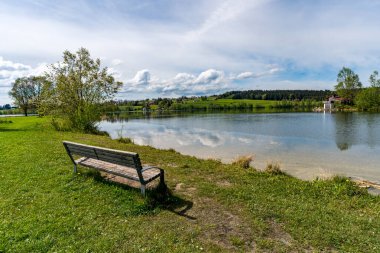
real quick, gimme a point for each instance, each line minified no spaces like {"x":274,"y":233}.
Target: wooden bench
{"x":120,"y":163}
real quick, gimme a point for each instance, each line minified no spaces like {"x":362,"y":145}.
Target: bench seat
{"x":148,"y":173}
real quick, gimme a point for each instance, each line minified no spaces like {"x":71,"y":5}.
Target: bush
{"x":5,"y":121}
{"x":125,"y":140}
{"x":274,"y":169}
{"x":243,"y":161}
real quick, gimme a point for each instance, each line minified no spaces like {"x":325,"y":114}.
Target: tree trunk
{"x":26,"y":111}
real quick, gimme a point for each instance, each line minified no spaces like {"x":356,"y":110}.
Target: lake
{"x":306,"y":145}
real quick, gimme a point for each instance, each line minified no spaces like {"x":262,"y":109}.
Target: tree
{"x":26,"y":92}
{"x":348,"y":84}
{"x":78,"y":85}
{"x":369,"y":98}
{"x":374,"y":80}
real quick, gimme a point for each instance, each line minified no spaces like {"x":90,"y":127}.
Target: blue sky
{"x":173,"y":48}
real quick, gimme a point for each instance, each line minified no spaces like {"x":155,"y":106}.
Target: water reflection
{"x":306,"y":144}
{"x":157,"y":134}
{"x":345,"y":131}
{"x":356,"y":129}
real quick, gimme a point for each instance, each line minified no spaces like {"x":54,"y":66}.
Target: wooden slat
{"x":87,"y":153}
{"x":112,"y":156}
{"x":118,"y":161}
{"x":115,"y":154}
{"x":105,"y":149}
{"x":118,"y":170}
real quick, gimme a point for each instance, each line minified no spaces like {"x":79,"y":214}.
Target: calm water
{"x":305,"y":144}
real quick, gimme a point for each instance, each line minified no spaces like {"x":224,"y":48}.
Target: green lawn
{"x":213,"y":207}
{"x":265,"y":103}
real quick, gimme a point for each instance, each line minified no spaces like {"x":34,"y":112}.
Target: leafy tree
{"x":374,"y":80}
{"x":78,"y":86}
{"x":348,"y":84}
{"x":26,"y":92}
{"x":369,"y":98}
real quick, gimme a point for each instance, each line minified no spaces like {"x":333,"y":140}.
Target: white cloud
{"x":10,"y":71}
{"x":206,"y":82}
{"x":12,"y":66}
{"x":248,"y":75}
{"x":142,"y":77}
{"x":210,"y":76}
{"x":116,"y":62}
{"x":224,"y":12}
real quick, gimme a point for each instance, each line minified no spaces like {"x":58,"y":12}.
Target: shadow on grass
{"x":11,"y":130}
{"x":159,"y":197}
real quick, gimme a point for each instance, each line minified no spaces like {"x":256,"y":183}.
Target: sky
{"x":170,"y":48}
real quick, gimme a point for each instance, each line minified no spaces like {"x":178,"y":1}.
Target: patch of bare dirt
{"x":223,"y":227}
{"x":220,"y":226}
{"x":129,"y":182}
{"x":279,"y":234}
{"x":224,"y":183}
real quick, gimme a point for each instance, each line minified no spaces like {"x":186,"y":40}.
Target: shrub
{"x":243,"y":161}
{"x":274,"y":169}
{"x":5,"y":121}
{"x":125,"y":140}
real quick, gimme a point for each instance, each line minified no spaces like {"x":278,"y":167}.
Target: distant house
{"x":329,"y":104}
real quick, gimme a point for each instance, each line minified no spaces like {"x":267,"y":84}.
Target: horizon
{"x":173,"y":49}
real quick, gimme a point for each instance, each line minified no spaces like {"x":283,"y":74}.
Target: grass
{"x":212,"y":104}
{"x":5,"y":121}
{"x":274,"y":168}
{"x":214,"y":207}
{"x":124,"y":140}
{"x":243,"y":161}
{"x":255,"y":103}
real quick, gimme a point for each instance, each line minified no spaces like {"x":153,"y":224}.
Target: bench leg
{"x":162,"y":179}
{"x":75,"y":168}
{"x":143,"y":190}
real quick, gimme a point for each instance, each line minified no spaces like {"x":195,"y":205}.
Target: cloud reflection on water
{"x":305,"y":143}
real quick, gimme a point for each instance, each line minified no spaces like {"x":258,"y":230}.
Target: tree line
{"x":278,"y":95}
{"x":5,"y":107}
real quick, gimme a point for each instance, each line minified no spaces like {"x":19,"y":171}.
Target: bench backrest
{"x":119,"y":157}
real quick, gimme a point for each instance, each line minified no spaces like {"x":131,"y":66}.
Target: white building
{"x":329,"y":105}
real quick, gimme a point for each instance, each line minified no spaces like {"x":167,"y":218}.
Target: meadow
{"x":214,"y":104}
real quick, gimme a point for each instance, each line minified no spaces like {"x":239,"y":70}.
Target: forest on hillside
{"x":317,"y":95}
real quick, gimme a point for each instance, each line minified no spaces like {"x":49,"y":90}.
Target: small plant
{"x":60,"y":125}
{"x":125,"y":140}
{"x":5,"y":121}
{"x":214,"y":159}
{"x":121,"y":138}
{"x":243,"y":161}
{"x":274,"y":168}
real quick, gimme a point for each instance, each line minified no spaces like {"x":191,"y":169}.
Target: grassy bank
{"x":212,"y":104}
{"x":214,"y":207}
